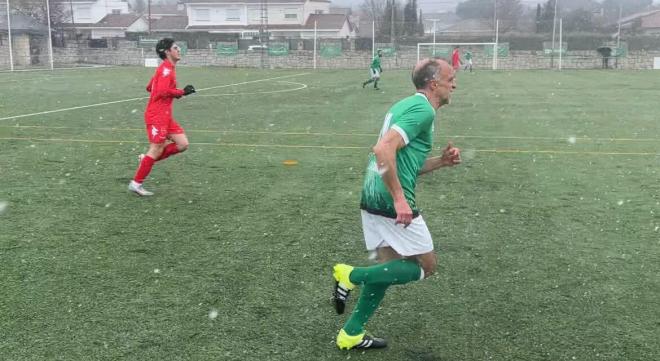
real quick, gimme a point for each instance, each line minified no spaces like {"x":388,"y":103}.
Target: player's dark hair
{"x":162,"y":46}
{"x":426,"y":73}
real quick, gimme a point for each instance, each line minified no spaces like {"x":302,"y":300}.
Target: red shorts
{"x":159,"y":132}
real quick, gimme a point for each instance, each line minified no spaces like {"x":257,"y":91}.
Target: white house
{"x":284,"y":18}
{"x":91,"y":11}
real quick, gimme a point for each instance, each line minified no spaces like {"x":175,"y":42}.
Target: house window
{"x":116,"y":11}
{"x":84,"y":13}
{"x":203,"y":15}
{"x":318,"y":12}
{"x":291,"y":14}
{"x":233,"y":15}
{"x":254,"y":15}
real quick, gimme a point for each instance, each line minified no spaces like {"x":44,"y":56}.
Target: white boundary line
{"x":304,"y":146}
{"x":142,"y":98}
{"x":372,"y":135}
{"x":301,"y":87}
{"x":47,"y":69}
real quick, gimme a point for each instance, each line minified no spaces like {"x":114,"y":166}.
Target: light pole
{"x":554,"y":27}
{"x":434,"y":28}
{"x":11,"y":56}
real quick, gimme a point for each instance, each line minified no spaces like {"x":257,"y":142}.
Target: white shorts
{"x":375,"y":73}
{"x":381,"y":231}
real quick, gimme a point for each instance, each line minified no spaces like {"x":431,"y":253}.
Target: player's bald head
{"x":426,"y":70}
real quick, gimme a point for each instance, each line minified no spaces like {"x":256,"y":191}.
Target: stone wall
{"x":127,"y":53}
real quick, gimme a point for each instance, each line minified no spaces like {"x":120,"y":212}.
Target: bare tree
{"x":139,"y":6}
{"x":373,"y":8}
{"x":36,"y":9}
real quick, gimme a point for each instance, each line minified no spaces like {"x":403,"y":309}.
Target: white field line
{"x":142,"y":98}
{"x":56,"y":69}
{"x":320,"y":134}
{"x":301,"y":86}
{"x":304,"y":146}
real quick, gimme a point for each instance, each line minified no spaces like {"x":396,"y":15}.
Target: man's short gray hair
{"x":422,"y":76}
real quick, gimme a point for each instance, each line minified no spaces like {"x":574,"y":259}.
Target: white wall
{"x":313,"y":7}
{"x":93,"y":11}
{"x":107,"y":33}
{"x":247,"y":15}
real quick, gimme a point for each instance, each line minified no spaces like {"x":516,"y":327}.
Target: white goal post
{"x":435,"y":46}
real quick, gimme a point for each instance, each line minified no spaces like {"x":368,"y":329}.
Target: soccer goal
{"x":444,"y":50}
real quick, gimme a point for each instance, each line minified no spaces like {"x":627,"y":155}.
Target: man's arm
{"x":385,"y":151}
{"x":451,"y":156}
{"x":163,"y":87}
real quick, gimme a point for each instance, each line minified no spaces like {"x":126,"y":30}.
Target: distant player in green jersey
{"x":468,"y":61}
{"x":394,"y":231}
{"x":375,"y":70}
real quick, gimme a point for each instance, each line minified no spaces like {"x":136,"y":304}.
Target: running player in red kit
{"x":456,"y":58}
{"x":166,"y":137}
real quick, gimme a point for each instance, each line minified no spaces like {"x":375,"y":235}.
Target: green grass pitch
{"x":548,"y":234}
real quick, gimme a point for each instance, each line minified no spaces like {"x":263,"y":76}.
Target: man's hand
{"x":450,"y":155}
{"x":189,"y":89}
{"x":403,"y":212}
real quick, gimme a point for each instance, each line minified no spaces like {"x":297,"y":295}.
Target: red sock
{"x":144,"y":169}
{"x":171,"y":149}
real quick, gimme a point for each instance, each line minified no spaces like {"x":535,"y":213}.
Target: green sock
{"x":370,"y":297}
{"x":395,"y":272}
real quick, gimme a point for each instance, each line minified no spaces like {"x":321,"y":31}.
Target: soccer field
{"x":548,"y":234}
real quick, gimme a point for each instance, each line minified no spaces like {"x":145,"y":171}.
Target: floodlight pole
{"x":434,"y":29}
{"x":494,"y":11}
{"x":495,"y":47}
{"x":315,"y":24}
{"x":50,"y":36}
{"x":618,"y":37}
{"x":554,"y":26}
{"x":11,"y":53}
{"x":560,"y":41}
{"x":618,"y":33}
{"x":373,"y":39}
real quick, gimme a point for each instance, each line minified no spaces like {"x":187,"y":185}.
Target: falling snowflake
{"x":213,"y":313}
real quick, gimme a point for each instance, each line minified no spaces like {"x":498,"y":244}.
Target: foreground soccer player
{"x":375,"y":70}
{"x":393,"y":228}
{"x":166,"y":137}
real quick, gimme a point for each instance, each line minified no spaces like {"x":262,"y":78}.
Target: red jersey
{"x":455,"y":58}
{"x":162,"y":87}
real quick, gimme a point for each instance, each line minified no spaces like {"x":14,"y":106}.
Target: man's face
{"x":174,"y":52}
{"x":443,"y":84}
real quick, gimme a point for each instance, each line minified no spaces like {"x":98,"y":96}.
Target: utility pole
{"x":494,"y":13}
{"x":73,"y":21}
{"x":149,"y":15}
{"x":392,"y":24}
{"x":618,"y":37}
{"x":554,"y":27}
{"x":434,"y":29}
{"x":11,"y":56}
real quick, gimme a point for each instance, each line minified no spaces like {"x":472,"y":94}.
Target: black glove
{"x":189,"y":89}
